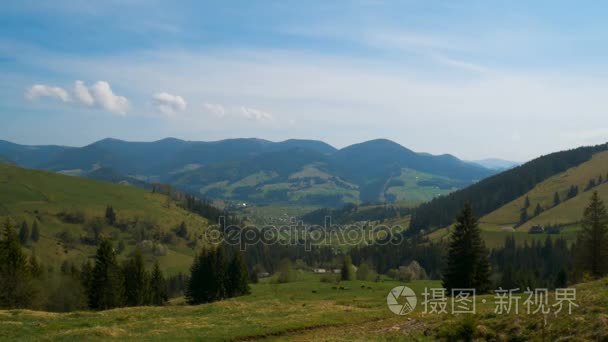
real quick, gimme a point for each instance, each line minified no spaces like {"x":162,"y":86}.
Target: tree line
{"x":493,"y":192}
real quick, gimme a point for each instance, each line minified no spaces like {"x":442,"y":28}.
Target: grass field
{"x":543,"y":193}
{"x":405,"y":187}
{"x":37,"y":195}
{"x":308,"y":310}
{"x":502,"y":222}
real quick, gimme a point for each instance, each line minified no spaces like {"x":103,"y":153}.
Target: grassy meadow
{"x":308,"y":309}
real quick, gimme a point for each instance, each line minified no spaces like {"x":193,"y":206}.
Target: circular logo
{"x":401,"y":300}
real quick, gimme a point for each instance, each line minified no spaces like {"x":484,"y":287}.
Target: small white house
{"x":318,"y":270}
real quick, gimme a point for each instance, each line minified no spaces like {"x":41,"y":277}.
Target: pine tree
{"x":556,"y":199}
{"x":182,"y":230}
{"x":561,"y":280}
{"x":106,"y":289}
{"x":590,"y":185}
{"x":135,"y":280}
{"x":158,"y":286}
{"x":16,"y":290}
{"x":538,"y":210}
{"x":199,"y":287}
{"x":110,"y":215}
{"x":193,"y":291}
{"x":467,"y":262}
{"x":219,"y":271}
{"x":86,"y":274}
{"x":35,"y":231}
{"x":24,"y":233}
{"x":523,"y":216}
{"x":237,"y":276}
{"x":593,"y":238}
{"x":527,"y":202}
{"x":573,"y":191}
{"x":346,"y":272}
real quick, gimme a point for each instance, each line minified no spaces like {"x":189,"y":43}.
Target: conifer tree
{"x":346,"y":272}
{"x":593,"y":238}
{"x":86,"y":274}
{"x":237,"y":276}
{"x":158,"y":286}
{"x":16,"y":290}
{"x":106,"y":289}
{"x":467,"y":261}
{"x":136,"y":280}
{"x":556,"y":199}
{"x":182,"y":230}
{"x":110,"y":215}
{"x":24,"y":233}
{"x":35,"y":231}
{"x":199,"y":286}
{"x":538,"y":210}
{"x":219,"y":271}
{"x":523,"y":215}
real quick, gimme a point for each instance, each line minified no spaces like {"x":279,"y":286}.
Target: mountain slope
{"x":66,"y":208}
{"x":569,"y":210}
{"x":496,"y":191}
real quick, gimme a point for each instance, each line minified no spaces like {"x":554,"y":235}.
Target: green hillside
{"x":568,"y":211}
{"x":310,"y":310}
{"x":503,"y":222}
{"x":144,"y":219}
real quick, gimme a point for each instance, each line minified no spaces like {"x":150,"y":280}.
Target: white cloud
{"x":41,"y":90}
{"x":215,"y":109}
{"x":106,"y":99}
{"x":99,"y":95}
{"x":169,"y":104}
{"x":256,"y":114}
{"x":82,"y":94}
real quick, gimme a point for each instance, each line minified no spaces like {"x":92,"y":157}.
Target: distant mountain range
{"x":496,"y":164}
{"x":260,"y":171}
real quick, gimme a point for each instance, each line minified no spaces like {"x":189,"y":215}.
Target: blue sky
{"x":473,"y":78}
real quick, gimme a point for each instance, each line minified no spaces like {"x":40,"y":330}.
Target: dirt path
{"x":383,"y":328}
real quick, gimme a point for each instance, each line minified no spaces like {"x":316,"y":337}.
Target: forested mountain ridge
{"x":498,"y":190}
{"x":260,"y":171}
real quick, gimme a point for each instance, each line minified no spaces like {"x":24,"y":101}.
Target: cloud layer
{"x":99,"y":95}
{"x":169,"y":104}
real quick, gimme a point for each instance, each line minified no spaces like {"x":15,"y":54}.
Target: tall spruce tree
{"x":199,"y":285}
{"x":237,"y":277}
{"x":346,"y":272}
{"x":110,"y":215}
{"x":219,"y":270}
{"x":593,"y":238}
{"x":538,"y":210}
{"x":556,"y":199}
{"x":24,"y":233}
{"x":35,"y":231}
{"x":135,"y":280}
{"x":106,"y":288}
{"x":158,"y":286}
{"x":467,"y":261}
{"x":16,"y":289}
